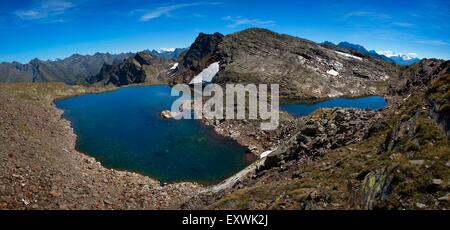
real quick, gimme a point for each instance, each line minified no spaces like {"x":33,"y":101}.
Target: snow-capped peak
{"x":406,"y":57}
{"x":164,"y":50}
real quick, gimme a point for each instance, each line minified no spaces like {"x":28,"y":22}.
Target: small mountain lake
{"x":123,"y":130}
{"x":303,"y":108}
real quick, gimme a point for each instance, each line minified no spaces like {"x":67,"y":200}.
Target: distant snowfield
{"x":164,"y":50}
{"x":406,"y":57}
{"x":349,"y":55}
{"x":207,"y":74}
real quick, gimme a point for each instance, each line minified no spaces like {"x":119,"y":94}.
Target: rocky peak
{"x":201,"y":50}
{"x":200,"y":55}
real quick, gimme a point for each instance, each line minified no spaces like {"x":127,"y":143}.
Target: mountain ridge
{"x":400,"y":59}
{"x":70,"y":70}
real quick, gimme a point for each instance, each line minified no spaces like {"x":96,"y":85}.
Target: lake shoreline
{"x":43,"y":169}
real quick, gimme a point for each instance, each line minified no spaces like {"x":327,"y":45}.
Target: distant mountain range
{"x":168,"y":53}
{"x":72,"y":70}
{"x":400,"y":59}
{"x":183,"y":64}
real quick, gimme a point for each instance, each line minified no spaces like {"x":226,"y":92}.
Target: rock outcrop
{"x":324,"y":130}
{"x":438,"y":96}
{"x":167,"y":114}
{"x":375,"y":189}
{"x":200,"y":55}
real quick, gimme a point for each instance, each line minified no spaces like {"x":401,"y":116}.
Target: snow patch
{"x":349,"y":55}
{"x":406,"y":57}
{"x":174,"y":66}
{"x":165,"y":50}
{"x":265,"y":154}
{"x":207,"y":74}
{"x":332,"y":72}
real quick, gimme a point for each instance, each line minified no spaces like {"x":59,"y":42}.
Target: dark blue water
{"x":305,"y":108}
{"x":123,"y":130}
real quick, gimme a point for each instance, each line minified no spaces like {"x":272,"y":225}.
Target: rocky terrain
{"x":40,"y":168}
{"x":71,"y":70}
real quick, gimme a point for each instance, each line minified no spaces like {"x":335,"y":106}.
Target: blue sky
{"x":49,"y":29}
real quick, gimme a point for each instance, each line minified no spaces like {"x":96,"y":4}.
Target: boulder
{"x":167,"y":114}
{"x":375,"y":189}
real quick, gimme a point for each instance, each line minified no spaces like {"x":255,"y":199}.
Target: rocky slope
{"x":418,"y":77}
{"x":429,"y":77}
{"x":397,"y":158}
{"x":142,"y":68}
{"x":303,"y":68}
{"x":40,"y":168}
{"x":71,"y":70}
